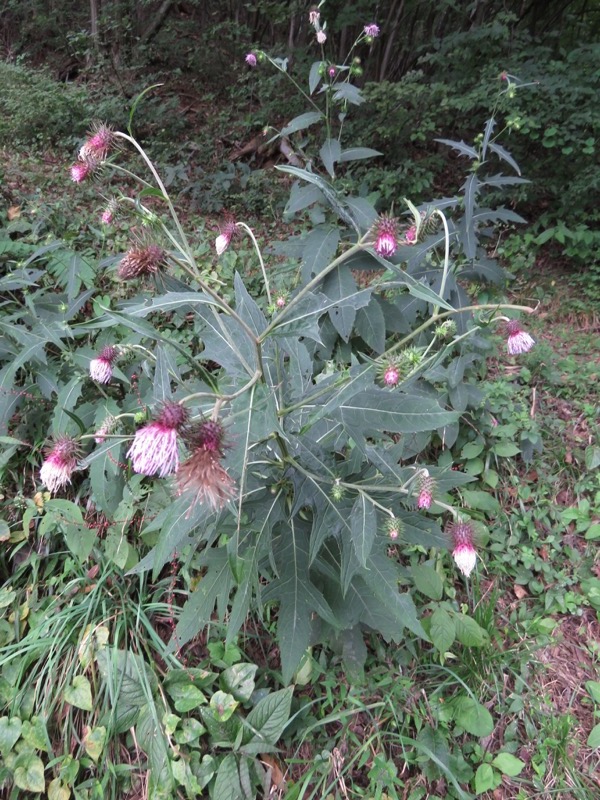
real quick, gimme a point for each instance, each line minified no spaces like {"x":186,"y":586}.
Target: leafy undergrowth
{"x":509,"y":708}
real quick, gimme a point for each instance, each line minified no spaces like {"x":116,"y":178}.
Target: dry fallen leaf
{"x":14,"y":212}
{"x":520,"y":591}
{"x":277,"y":776}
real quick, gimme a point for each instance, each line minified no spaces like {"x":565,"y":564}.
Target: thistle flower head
{"x":107,"y":427}
{"x":518,"y":341}
{"x":154,"y":450}
{"x":410,"y":237}
{"x":314,"y":15}
{"x":250,"y":59}
{"x":372,"y":30}
{"x":391,"y":375}
{"x":109,"y":213}
{"x":81,"y":170}
{"x":59,"y":463}
{"x":203,"y":472}
{"x":98,"y":144}
{"x":426,"y":492}
{"x":321,"y":37}
{"x":463,"y":550}
{"x":386,"y":236}
{"x":101,"y":367}
{"x":332,"y":71}
{"x":445,"y":329}
{"x":141,"y":260}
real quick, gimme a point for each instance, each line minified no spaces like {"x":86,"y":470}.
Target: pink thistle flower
{"x":203,"y":472}
{"x":386,"y":236}
{"x":108,"y":215}
{"x":60,"y":463}
{"x":463,"y":552}
{"x":227,"y":233}
{"x":321,"y":37}
{"x":141,"y":260}
{"x":154,"y":450}
{"x":391,"y":376}
{"x":410,"y":237}
{"x":332,"y":72}
{"x":314,"y":15}
{"x":81,"y":170}
{"x":250,"y":59}
{"x":519,"y":341}
{"x":394,"y":528}
{"x":372,"y":30}
{"x":426,"y":490}
{"x":280,"y":302}
{"x":101,"y":367}
{"x":98,"y":144}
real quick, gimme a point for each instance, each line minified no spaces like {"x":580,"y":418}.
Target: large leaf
{"x":320,"y":248}
{"x":268,"y":718}
{"x":372,"y":412}
{"x":370,"y":325}
{"x":363,"y":527}
{"x":302,"y":196}
{"x":330,"y":153}
{"x":338,"y":285}
{"x":301,"y":122}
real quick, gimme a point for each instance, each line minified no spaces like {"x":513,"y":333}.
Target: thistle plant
{"x":293,"y":435}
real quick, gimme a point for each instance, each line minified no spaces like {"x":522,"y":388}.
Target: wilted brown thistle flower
{"x":203,"y":473}
{"x":141,"y":260}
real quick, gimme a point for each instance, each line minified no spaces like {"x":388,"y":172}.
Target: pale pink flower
{"x":250,"y":59}
{"x":519,"y":341}
{"x":280,"y":302}
{"x":410,"y":236}
{"x":314,"y":15}
{"x":463,"y":552}
{"x":372,"y":30}
{"x":223,"y":240}
{"x":101,"y":367}
{"x":203,"y":473}
{"x":59,"y":464}
{"x":386,"y":236}
{"x":332,"y":72}
{"x":154,"y":450}
{"x":321,"y":37}
{"x":108,"y":215}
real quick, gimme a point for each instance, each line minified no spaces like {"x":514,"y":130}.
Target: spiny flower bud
{"x":337,"y":491}
{"x":110,"y":212}
{"x":426,"y":492}
{"x":445,"y":329}
{"x":390,"y":374}
{"x":519,"y":341}
{"x":108,"y":426}
{"x":463,"y":550}
{"x":141,"y":260}
{"x":393,"y":527}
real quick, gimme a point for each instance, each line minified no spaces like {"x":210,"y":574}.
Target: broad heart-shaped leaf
{"x":472,"y":716}
{"x":330,"y":153}
{"x":363,"y":527}
{"x":427,"y":581}
{"x":267,"y":720}
{"x":373,"y":412}
{"x":441,"y":630}
{"x":297,"y":596}
{"x":79,"y":693}
{"x":29,"y":772}
{"x":10,"y":730}
{"x":238,"y":681}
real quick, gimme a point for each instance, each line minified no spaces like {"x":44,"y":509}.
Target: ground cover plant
{"x":220,"y":482}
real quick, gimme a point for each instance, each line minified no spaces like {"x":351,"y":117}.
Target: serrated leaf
{"x":505,"y":156}
{"x":330,"y":153}
{"x":269,"y":717}
{"x":301,"y":122}
{"x":66,"y":401}
{"x":463,"y":148}
{"x":468,"y":632}
{"x":508,"y":764}
{"x":363,"y":527}
{"x":79,"y":693}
